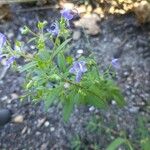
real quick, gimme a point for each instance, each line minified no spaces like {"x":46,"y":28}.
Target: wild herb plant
{"x":53,"y":74}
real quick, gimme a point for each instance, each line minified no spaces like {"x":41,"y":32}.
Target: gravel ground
{"x":121,"y":37}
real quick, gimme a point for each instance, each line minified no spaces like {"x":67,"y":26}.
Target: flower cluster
{"x":54,"y":29}
{"x":11,"y":59}
{"x":67,"y":15}
{"x":52,"y":74}
{"x":78,"y":68}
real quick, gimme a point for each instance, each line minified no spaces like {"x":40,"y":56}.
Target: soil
{"x":121,"y":37}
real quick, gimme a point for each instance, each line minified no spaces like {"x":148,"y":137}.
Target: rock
{"x":46,"y":124}
{"x":142,"y":11}
{"x":24,"y":130}
{"x":5,"y":12}
{"x":113,"y":102}
{"x":44,"y":146}
{"x":14,"y":96}
{"x":80,"y":51}
{"x":10,"y":34}
{"x":89,"y":23}
{"x":134,"y":109}
{"x":81,"y":9}
{"x":4,"y":98}
{"x":92,"y":108}
{"x":89,"y":8}
{"x":52,"y":129}
{"x":38,"y":133}
{"x":68,"y":5}
{"x":41,"y":122}
{"x":76,"y":35}
{"x":18,"y":119}
{"x":99,"y":11}
{"x":5,"y":116}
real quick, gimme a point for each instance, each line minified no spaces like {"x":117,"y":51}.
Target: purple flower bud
{"x":78,"y":68}
{"x":67,"y":14}
{"x":115,"y":63}
{"x":10,"y":61}
{"x":54,"y":29}
{"x":2,"y":41}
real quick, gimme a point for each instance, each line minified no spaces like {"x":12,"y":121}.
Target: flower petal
{"x":67,"y":14}
{"x":54,"y":29}
{"x":79,"y":76}
{"x":10,"y":61}
{"x":115,"y":63}
{"x":2,"y":41}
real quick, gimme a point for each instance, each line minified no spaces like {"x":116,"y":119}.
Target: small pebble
{"x":4,"y":98}
{"x":76,"y":35}
{"x":46,"y":124}
{"x":113,"y":102}
{"x":14,"y":96}
{"x":134,"y":109}
{"x":37,"y":133}
{"x":24,"y":130}
{"x":80,"y":51}
{"x":18,"y":119}
{"x":92,"y":108}
{"x":52,"y":129}
{"x":41,"y":122}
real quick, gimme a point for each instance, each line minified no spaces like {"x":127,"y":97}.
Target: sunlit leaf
{"x":116,"y":143}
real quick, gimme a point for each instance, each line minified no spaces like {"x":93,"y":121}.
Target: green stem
{"x":34,"y":34}
{"x":129,"y":144}
{"x":80,"y":86}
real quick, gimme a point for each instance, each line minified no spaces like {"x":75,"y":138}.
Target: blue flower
{"x":115,"y":63}
{"x":2,"y":41}
{"x":67,"y":14}
{"x":10,"y":61}
{"x":78,"y":68}
{"x":54,"y":29}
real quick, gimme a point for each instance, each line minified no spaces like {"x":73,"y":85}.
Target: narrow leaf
{"x":61,"y":62}
{"x":67,"y":109}
{"x":28,"y":66}
{"x":116,"y":143}
{"x":60,"y":48}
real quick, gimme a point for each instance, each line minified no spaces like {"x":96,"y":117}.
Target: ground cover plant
{"x":52,"y":74}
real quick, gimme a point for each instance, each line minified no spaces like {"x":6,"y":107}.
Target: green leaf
{"x":60,"y":48}
{"x":29,"y":84}
{"x":69,"y":60}
{"x":61,"y":62}
{"x":44,"y":55}
{"x":28,"y":66}
{"x":67,"y":109}
{"x":115,"y":93}
{"x":32,"y":39}
{"x":41,"y":25}
{"x":118,"y":97}
{"x":95,"y":101}
{"x":116,"y":143}
{"x":50,"y":97}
